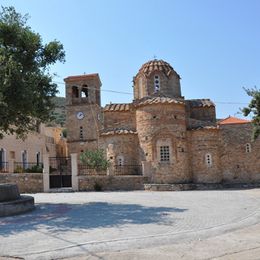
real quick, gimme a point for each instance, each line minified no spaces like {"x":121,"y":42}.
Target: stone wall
{"x":238,"y":165}
{"x":118,"y":119}
{"x":125,"y":146}
{"x":111,"y":183}
{"x":203,"y":113}
{"x":164,"y":125}
{"x":203,"y":142}
{"x":80,"y":135}
{"x":27,"y":182}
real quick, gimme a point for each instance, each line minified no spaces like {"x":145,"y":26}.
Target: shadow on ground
{"x":65,"y":217}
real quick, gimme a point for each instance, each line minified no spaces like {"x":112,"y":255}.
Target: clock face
{"x":80,"y":115}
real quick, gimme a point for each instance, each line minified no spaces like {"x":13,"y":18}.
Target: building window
{"x":156,"y":83}
{"x":248,"y":148}
{"x":120,"y":160}
{"x":81,"y":132}
{"x":75,"y":92}
{"x":140,"y":87}
{"x":12,"y":154}
{"x":164,"y":153}
{"x":24,"y":159}
{"x":38,"y":158}
{"x":84,"y":91}
{"x":2,"y":159}
{"x":208,"y":159}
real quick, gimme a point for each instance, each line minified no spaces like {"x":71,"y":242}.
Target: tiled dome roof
{"x":157,"y":65}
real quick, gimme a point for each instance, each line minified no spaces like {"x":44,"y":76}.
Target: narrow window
{"x":24,"y":159}
{"x":248,"y":148}
{"x":38,"y":158}
{"x":141,"y":87}
{"x":81,"y":132}
{"x":208,"y":159}
{"x":2,"y":159}
{"x":156,"y":83}
{"x":164,"y":153}
{"x":120,"y":160}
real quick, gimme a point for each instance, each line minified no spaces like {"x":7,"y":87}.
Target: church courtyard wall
{"x":26,"y":182}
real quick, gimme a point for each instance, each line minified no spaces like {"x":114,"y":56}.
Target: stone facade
{"x":177,"y":140}
{"x":30,"y":151}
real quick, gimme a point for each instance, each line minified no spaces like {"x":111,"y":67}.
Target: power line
{"x":128,"y":93}
{"x":105,"y":90}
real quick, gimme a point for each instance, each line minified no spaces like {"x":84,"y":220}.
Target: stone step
{"x":198,"y":186}
{"x":61,"y":190}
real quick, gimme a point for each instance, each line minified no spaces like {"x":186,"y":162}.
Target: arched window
{"x":120,"y":160}
{"x":75,"y":92}
{"x":2,"y":159}
{"x":84,"y":91}
{"x":248,"y":148}
{"x":25,"y":159}
{"x":156,"y":83}
{"x":208,"y":159}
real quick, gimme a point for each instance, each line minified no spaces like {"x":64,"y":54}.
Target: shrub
{"x":34,"y":169}
{"x":95,"y":159}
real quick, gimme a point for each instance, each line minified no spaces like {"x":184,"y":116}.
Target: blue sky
{"x":213,"y":44}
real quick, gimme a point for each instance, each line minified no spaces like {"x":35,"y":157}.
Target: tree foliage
{"x":254,"y":109}
{"x":26,"y":87}
{"x":95,"y":159}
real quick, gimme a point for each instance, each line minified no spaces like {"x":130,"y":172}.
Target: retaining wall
{"x":111,"y":183}
{"x":26,"y":182}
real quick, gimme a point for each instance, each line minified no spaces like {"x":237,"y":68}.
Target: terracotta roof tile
{"x":233,"y":120}
{"x":158,"y":100}
{"x":208,"y":127}
{"x":81,"y":77}
{"x":117,"y":131}
{"x":200,"y":103}
{"x":117,"y":107}
{"x":157,"y":65}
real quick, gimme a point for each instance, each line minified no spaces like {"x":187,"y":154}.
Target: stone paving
{"x":74,"y":224}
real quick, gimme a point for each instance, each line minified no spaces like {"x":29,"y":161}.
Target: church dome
{"x":157,"y":65}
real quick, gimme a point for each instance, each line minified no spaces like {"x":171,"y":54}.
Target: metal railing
{"x":60,"y":165}
{"x":28,"y":167}
{"x":87,"y":170}
{"x":4,"y":167}
{"x":133,"y":169}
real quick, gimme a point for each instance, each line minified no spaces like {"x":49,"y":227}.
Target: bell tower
{"x":83,"y":118}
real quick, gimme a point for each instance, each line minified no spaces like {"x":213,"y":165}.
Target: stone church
{"x":176,"y":140}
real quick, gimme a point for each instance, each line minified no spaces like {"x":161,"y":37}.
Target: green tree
{"x":26,"y":87}
{"x":95,"y":159}
{"x":254,"y":109}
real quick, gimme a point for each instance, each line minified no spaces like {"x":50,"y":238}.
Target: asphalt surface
{"x":135,"y":225}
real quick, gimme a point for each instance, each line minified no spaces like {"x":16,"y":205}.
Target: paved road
{"x":128,"y":225}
